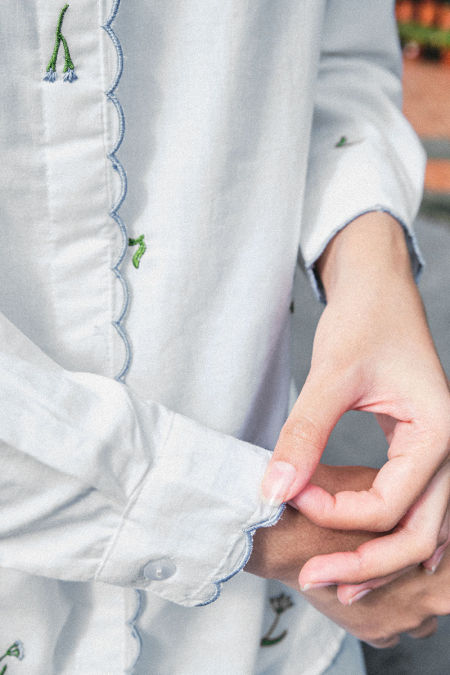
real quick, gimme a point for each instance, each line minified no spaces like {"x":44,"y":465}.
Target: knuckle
{"x":386,"y":522}
{"x":440,"y":606}
{"x":381,"y":636}
{"x":424,"y":629}
{"x":387,"y":644}
{"x":442,"y":537}
{"x":383,"y":641}
{"x":302,"y":430}
{"x":426,"y":548}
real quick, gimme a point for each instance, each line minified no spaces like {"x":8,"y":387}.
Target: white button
{"x":158,"y":570}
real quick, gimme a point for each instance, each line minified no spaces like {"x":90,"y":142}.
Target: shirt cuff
{"x":189,"y":526}
{"x":417,"y":261}
{"x":368,"y":173}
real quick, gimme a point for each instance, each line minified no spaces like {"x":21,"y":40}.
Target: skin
{"x":408,"y":604}
{"x":372,"y":351}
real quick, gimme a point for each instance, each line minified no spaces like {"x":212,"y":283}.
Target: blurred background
{"x":424,"y":29}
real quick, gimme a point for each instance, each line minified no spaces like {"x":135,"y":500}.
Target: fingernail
{"x":359,"y":595}
{"x":310,"y":587}
{"x":436,"y":563}
{"x":276,"y":483}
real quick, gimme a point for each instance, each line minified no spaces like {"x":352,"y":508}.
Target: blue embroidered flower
{"x":69,"y":75}
{"x":50,"y":75}
{"x":16,"y":650}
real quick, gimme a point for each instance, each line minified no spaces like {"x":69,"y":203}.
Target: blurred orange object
{"x":437,"y":175}
{"x":427,"y":12}
{"x":443,"y":16}
{"x":404,"y":11}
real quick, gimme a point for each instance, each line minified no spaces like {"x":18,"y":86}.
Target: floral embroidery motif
{"x":69,"y":68}
{"x":15,"y":650}
{"x":141,"y":250}
{"x":280,"y":604}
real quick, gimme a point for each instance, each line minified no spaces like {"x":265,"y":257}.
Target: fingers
{"x":432,"y":563}
{"x":426,"y":629}
{"x":303,"y":439}
{"x":414,"y":540}
{"x":347,"y":594}
{"x":398,"y":484}
{"x":384,"y":644}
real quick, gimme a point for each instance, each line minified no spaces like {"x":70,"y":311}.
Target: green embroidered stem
{"x":141,"y":250}
{"x":15,"y":650}
{"x":69,"y":68}
{"x":3,"y":670}
{"x":52,"y":62}
{"x":279,"y":605}
{"x":341,"y":142}
{"x":68,"y":63}
{"x":267,"y":641}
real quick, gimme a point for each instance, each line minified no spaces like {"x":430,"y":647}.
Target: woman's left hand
{"x":372,"y":351}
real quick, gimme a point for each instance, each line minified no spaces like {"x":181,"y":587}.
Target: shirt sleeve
{"x":364,"y":155}
{"x":99,"y":484}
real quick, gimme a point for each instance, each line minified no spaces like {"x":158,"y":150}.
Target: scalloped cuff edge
{"x":248,"y":551}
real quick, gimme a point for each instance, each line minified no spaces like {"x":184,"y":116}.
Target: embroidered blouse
{"x":163,"y":164}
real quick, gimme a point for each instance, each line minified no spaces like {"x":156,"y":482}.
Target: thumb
{"x":302,"y":440}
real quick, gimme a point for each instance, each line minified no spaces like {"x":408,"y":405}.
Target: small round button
{"x":158,"y":570}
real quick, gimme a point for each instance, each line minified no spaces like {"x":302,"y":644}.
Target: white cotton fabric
{"x":232,"y":113}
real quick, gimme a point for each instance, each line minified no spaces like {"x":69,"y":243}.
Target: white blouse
{"x":162,"y":165}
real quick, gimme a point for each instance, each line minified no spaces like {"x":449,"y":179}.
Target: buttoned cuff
{"x":189,"y":526}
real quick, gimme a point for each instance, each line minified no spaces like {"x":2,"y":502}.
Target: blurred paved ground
{"x":358,"y":440}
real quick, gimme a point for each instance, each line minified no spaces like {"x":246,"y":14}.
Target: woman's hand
{"x":407,"y":605}
{"x":372,"y":351}
{"x":410,"y":604}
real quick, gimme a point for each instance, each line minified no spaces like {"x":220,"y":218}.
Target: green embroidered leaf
{"x":141,"y":250}
{"x":268,"y":642}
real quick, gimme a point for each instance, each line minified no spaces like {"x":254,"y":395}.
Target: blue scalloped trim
{"x":131,"y":623}
{"x":246,"y":557}
{"x":117,"y":323}
{"x":123,"y":180}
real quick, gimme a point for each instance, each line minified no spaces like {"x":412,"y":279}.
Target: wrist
{"x":279,"y":552}
{"x":367,"y":255}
